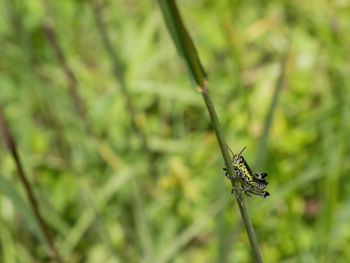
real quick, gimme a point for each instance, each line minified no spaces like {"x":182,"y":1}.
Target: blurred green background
{"x":119,"y":147}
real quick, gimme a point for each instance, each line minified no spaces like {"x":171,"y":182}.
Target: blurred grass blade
{"x":191,"y":232}
{"x":9,"y":253}
{"x":119,"y":72}
{"x":88,"y":216}
{"x":72,"y":80}
{"x":43,"y":226}
{"x":183,"y":41}
{"x":7,"y":189}
{"x":261,"y":156}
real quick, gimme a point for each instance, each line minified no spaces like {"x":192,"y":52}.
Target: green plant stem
{"x":240,"y":201}
{"x":28,"y":188}
{"x":187,"y":50}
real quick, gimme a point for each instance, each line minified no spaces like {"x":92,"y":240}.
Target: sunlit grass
{"x":85,"y":179}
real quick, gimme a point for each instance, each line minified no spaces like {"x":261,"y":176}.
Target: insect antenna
{"x":242,"y":151}
{"x":230,"y":150}
{"x":234,"y":155}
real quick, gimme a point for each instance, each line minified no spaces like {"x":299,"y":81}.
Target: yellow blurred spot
{"x":179,"y":177}
{"x":109,"y":156}
{"x":259,"y":28}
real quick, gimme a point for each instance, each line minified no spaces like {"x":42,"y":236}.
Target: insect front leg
{"x":228,"y":175}
{"x":238,"y":191}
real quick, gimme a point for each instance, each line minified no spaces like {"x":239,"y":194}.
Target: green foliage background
{"x":108,"y":199}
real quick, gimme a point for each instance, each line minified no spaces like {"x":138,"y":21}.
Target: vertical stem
{"x":240,"y":201}
{"x":187,"y":50}
{"x":27,"y":187}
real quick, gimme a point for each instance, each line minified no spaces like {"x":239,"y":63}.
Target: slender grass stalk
{"x":53,"y":252}
{"x":71,"y":78}
{"x":78,"y":103}
{"x":188,"y":52}
{"x":240,"y":201}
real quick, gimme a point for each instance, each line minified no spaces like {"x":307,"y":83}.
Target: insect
{"x":250,"y":183}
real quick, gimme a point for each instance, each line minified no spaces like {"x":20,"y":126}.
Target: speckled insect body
{"x":250,"y":183}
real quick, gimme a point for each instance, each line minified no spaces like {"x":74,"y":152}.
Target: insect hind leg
{"x":241,"y":189}
{"x":260,"y":176}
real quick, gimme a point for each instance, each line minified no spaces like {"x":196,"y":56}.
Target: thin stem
{"x":187,"y":50}
{"x":71,"y":78}
{"x":27,"y":187}
{"x":240,"y":201}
